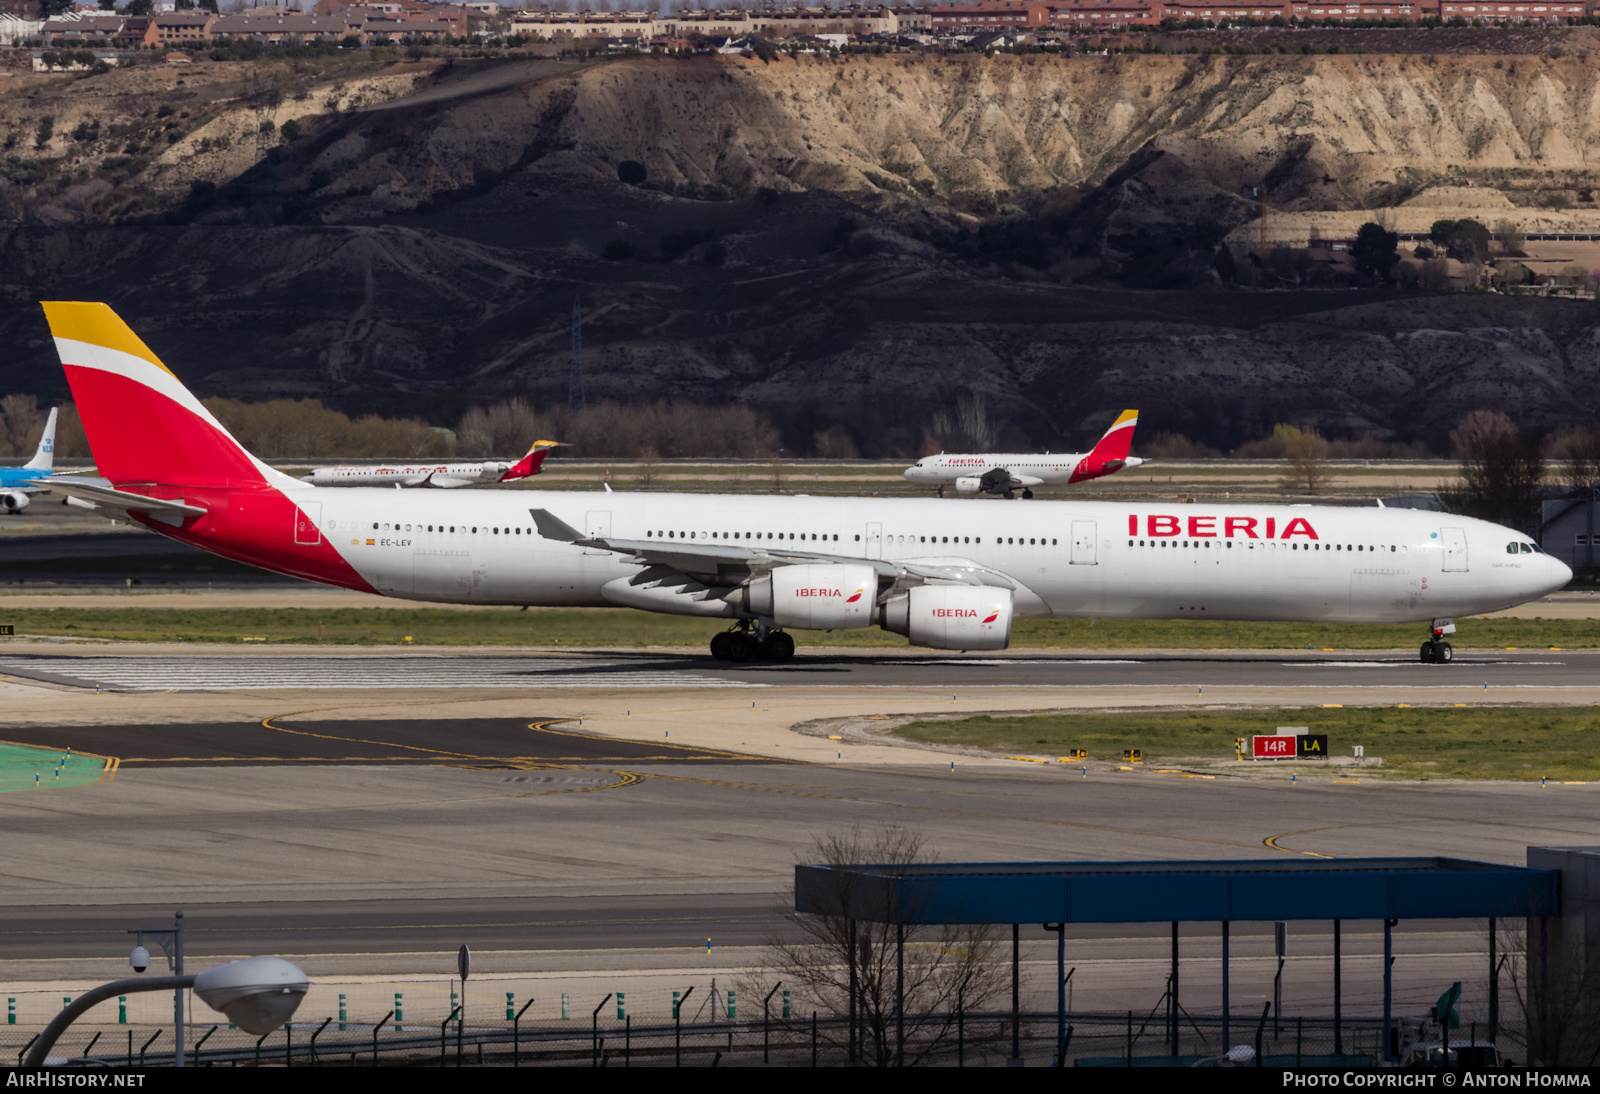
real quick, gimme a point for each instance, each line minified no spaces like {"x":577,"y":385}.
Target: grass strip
{"x":1523,"y":743}
{"x":628,"y":627}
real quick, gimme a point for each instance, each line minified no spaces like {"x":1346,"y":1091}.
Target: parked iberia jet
{"x":946,"y":576}
{"x":18,"y":484}
{"x":1007,"y":472}
{"x":436,"y":474}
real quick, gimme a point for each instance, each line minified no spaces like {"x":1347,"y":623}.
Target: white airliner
{"x":443,"y":475}
{"x":1007,"y":472}
{"x":947,"y":576}
{"x":19,"y":484}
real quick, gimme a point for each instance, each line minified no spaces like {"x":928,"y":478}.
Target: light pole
{"x":140,"y":960}
{"x":257,"y":994}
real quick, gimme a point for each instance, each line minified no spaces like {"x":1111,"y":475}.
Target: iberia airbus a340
{"x":948,"y":576}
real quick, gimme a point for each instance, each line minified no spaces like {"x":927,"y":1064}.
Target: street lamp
{"x":258,"y":994}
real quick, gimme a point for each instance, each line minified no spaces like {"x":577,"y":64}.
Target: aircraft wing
{"x":728,"y":563}
{"x":100,"y":494}
{"x":443,"y":482}
{"x":999,"y":478}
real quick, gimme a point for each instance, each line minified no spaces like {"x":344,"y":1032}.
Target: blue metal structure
{"x":1058,"y":894}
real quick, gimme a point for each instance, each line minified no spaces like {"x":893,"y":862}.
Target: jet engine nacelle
{"x":816,"y":597}
{"x":14,"y":501}
{"x":952,"y":617}
{"x":969,"y":484}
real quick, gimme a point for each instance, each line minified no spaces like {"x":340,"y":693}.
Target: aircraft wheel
{"x":1427,"y":653}
{"x":1445,"y":654}
{"x":740,"y":648}
{"x":1011,"y":495}
{"x":1027,"y":493}
{"x":778,"y":648}
{"x":719,"y":645}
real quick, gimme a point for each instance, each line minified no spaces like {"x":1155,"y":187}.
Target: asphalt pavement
{"x":135,"y":671}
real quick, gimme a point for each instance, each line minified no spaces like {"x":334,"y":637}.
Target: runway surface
{"x":68,"y":932}
{"x":468,"y":742}
{"x":138,"y":672}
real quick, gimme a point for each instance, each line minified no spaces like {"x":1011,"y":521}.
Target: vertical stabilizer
{"x":1118,"y":440}
{"x":532,"y":463}
{"x":143,"y":425}
{"x":45,"y":458}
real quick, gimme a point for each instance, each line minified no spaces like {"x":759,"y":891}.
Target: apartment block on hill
{"x":177,"y":27}
{"x":273,"y":29}
{"x":77,"y":29}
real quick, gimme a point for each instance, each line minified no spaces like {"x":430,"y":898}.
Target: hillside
{"x":855,"y":241}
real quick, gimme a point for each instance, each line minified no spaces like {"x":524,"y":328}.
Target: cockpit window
{"x":1527,"y":548}
{"x":1511,"y":548}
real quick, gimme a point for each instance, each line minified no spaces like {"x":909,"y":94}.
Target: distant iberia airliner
{"x":443,"y":475}
{"x":945,"y":575}
{"x":1007,"y":472}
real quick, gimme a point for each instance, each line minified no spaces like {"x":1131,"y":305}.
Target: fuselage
{"x":406,"y":474}
{"x":1103,"y":559}
{"x":22,"y":476}
{"x":1032,"y":469}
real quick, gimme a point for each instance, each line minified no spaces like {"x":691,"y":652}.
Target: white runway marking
{"x":376,"y":672}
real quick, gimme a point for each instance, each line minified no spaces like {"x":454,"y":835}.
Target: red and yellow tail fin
{"x":143,"y":425}
{"x":532,"y":463}
{"x":1118,"y":440}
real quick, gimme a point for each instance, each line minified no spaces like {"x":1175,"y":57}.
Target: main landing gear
{"x":1435,"y":652}
{"x":746,"y":644}
{"x":1011,"y":495}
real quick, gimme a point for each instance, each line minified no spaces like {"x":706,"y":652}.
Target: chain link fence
{"x":976,"y":1039}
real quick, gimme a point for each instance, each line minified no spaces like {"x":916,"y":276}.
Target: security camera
{"x":257,"y":994}
{"x":139,"y":959}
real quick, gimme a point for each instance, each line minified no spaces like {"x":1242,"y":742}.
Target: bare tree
{"x":1557,"y":990}
{"x":823,"y":955}
{"x":647,"y":467}
{"x":1502,"y":472}
{"x":22,"y":423}
{"x":1578,"y":449}
{"x":966,"y":426}
{"x":1307,"y":452}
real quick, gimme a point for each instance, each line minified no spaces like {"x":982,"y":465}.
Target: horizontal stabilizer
{"x":101,"y":493}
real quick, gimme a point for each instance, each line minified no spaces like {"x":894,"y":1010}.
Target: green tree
{"x":291,"y":130}
{"x":47,"y":126}
{"x":1463,"y":240}
{"x":139,"y":7}
{"x":1375,"y":250}
{"x":50,"y":8}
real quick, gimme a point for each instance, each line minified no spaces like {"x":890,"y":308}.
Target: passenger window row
{"x":1207,"y":544}
{"x":382,"y":526}
{"x":655,"y":534}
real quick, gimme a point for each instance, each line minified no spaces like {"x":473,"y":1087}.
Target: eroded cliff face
{"x":1331,"y":132}
{"x":418,"y":247}
{"x":1316,"y":132}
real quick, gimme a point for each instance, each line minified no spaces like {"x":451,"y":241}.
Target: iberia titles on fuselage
{"x":945,"y":574}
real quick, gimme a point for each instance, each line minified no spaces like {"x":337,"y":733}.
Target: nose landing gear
{"x":749,"y":644}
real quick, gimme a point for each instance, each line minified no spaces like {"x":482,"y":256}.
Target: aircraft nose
{"x":1560,"y":574}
